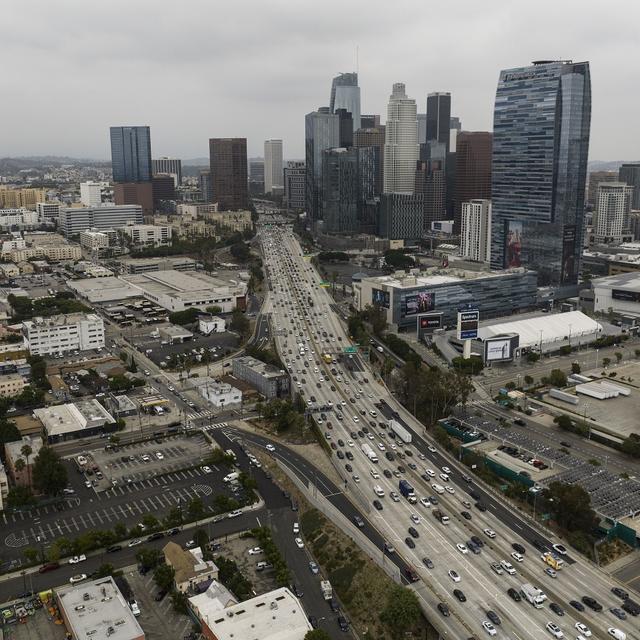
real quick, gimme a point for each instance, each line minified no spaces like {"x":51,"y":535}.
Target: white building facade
{"x":401,"y":148}
{"x":148,"y":234}
{"x":75,"y":220}
{"x":18,"y":218}
{"x":48,"y":211}
{"x":612,"y":211}
{"x":61,"y":334}
{"x":91,"y":194}
{"x":273,"y":170}
{"x":475,"y":237}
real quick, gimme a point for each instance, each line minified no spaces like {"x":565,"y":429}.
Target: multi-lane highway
{"x":349,"y":405}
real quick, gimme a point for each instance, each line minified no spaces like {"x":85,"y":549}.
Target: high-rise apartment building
{"x":401,"y":142}
{"x":91,"y":194}
{"x":473,"y":170}
{"x":345,"y":94}
{"x":273,"y":176}
{"x":294,"y":185}
{"x":131,"y":154}
{"x":613,"y":208}
{"x":64,"y":333}
{"x":171,"y":166}
{"x":475,"y":237}
{"x":629,"y":173}
{"x":595,"y":179}
{"x":322,"y":131}
{"x":539,"y":162}
{"x":21,"y":198}
{"x":229,"y":180}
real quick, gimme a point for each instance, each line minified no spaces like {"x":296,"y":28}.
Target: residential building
{"x":18,"y":218}
{"x":401,"y":143}
{"x":53,"y":253}
{"x":276,"y":615}
{"x":11,"y":385}
{"x":75,"y":220}
{"x":595,"y":179}
{"x":64,"y":333}
{"x":97,"y":609}
{"x":473,"y":170}
{"x":147,"y":234}
{"x":613,"y":211}
{"x":131,"y":154}
{"x":322,"y":131}
{"x":475,"y":237}
{"x":91,"y":194}
{"x":135,"y":193}
{"x":269,"y":381}
{"x":97,"y":241}
{"x":294,"y":182}
{"x":48,"y":211}
{"x":84,"y":419}
{"x":229,"y":221}
{"x":9,"y":270}
{"x":16,"y":242}
{"x":219,"y":394}
{"x":401,"y":216}
{"x":21,"y":198}
{"x":405,"y":297}
{"x":179,"y":290}
{"x":345,"y":94}
{"x":171,"y":166}
{"x":228,"y":164}
{"x":373,"y":137}
{"x":273,"y":176}
{"x":630,"y":174}
{"x":191,"y":569}
{"x":537,"y":190}
{"x":13,"y":451}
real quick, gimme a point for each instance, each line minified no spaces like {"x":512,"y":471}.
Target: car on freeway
{"x":358,"y":521}
{"x":477,"y":541}
{"x":508,"y":567}
{"x":490,"y":533}
{"x":432,"y":448}
{"x":425,"y":502}
{"x":554,"y":630}
{"x":561,"y":549}
{"x":377,"y":504}
{"x":494,"y":617}
{"x":415,"y":518}
{"x":582,"y":629}
{"x":444,"y":609}
{"x":618,"y":613}
{"x":78,"y":578}
{"x":459,"y":594}
{"x":413,"y":532}
{"x":389,"y":548}
{"x":551,"y":572}
{"x":517,"y":556}
{"x":270,"y":447}
{"x":489,"y":628}
{"x":410,"y":543}
{"x":387,"y":473}
{"x":556,"y":608}
{"x":427,"y":562}
{"x":592,"y":603}
{"x":462,"y":548}
{"x":621,"y":593}
{"x":578,"y":606}
{"x":518,"y":548}
{"x":466,"y":515}
{"x":454,"y":575}
{"x":513,"y":594}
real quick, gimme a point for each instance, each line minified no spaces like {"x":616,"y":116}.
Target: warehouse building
{"x":70,"y":421}
{"x":621,"y":293}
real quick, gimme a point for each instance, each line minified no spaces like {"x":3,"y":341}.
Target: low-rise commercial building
{"x":211,"y":324}
{"x":191,"y":569}
{"x":11,"y":385}
{"x":53,"y":253}
{"x":99,"y":241}
{"x":64,"y":333}
{"x":149,"y":265}
{"x":620,"y":293}
{"x":9,"y":270}
{"x":70,"y":421}
{"x":22,"y":474}
{"x":48,"y":212}
{"x":270,"y":381}
{"x":175,"y":334}
{"x":121,"y":406}
{"x":97,"y":610}
{"x":21,"y":218}
{"x":219,"y":394}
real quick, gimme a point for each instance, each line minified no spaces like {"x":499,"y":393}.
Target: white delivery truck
{"x":327,"y":589}
{"x":400,"y":431}
{"x":369,"y":452}
{"x":533,"y":595}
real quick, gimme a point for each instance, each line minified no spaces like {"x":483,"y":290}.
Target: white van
{"x":379,"y":491}
{"x":616,"y":633}
{"x":438,"y":488}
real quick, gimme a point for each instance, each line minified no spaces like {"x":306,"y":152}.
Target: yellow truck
{"x":553,"y":561}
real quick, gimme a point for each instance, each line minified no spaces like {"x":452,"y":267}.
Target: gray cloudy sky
{"x":195,"y":69}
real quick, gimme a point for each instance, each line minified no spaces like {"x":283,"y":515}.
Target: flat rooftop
{"x":69,"y":418}
{"x":103,"y":289}
{"x":97,"y":610}
{"x":264,"y":369}
{"x":629,"y":281}
{"x":61,"y":320}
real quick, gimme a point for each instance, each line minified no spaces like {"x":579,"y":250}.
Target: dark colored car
{"x":114,"y":548}
{"x":427,"y":563}
{"x":514,"y":595}
{"x":173,"y":532}
{"x":377,"y":504}
{"x":387,"y":473}
{"x":313,"y":621}
{"x":618,"y":613}
{"x":466,"y":515}
{"x":411,"y":575}
{"x":631,"y":607}
{"x":389,"y":456}
{"x":410,"y":543}
{"x":592,"y":603}
{"x":413,"y":532}
{"x":520,"y":422}
{"x":50,"y":566}
{"x":443,"y":609}
{"x":160,"y":595}
{"x":348,"y":467}
{"x":556,"y":608}
{"x":519,"y":548}
{"x":358,"y":521}
{"x":349,"y":455}
{"x":343,"y":624}
{"x":155,"y":536}
{"x":480,"y":506}
{"x":460,"y":595}
{"x":340,"y":455}
{"x":494,"y":617}
{"x":297,"y":591}
{"x":621,"y":593}
{"x":576,"y":605}
{"x":477,"y":541}
{"x":333,"y":603}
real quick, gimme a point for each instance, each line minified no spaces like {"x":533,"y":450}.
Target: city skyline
{"x":220,"y":85}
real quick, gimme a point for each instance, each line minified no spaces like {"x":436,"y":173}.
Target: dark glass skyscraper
{"x":345,"y":94}
{"x":630,"y":173}
{"x":131,"y":154}
{"x":228,"y":166}
{"x":438,"y":118}
{"x":539,"y":162}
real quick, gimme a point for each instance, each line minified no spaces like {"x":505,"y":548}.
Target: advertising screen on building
{"x":428,"y":323}
{"x":468,"y":324}
{"x":513,"y":244}
{"x":625,"y":295}
{"x":416,"y":303}
{"x":568,"y":253}
{"x":380,"y":298}
{"x":501,"y":348}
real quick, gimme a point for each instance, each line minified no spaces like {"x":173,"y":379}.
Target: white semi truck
{"x":400,"y":431}
{"x":369,"y":452}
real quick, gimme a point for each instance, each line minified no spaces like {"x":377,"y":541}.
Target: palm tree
{"x":19,"y":466}
{"x":26,"y":452}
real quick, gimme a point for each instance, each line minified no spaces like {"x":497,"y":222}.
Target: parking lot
{"x":37,"y":625}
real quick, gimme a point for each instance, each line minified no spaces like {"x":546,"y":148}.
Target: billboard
{"x":419,"y":302}
{"x":380,"y":298}
{"x":568,"y":253}
{"x":501,"y":348}
{"x":468,"y":324}
{"x":512,"y":244}
{"x":626,"y":295}
{"x":428,"y":323}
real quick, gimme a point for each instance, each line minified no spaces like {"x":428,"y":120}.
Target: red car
{"x":50,"y":566}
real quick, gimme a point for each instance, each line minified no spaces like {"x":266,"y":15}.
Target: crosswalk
{"x":204,"y":414}
{"x":213,"y":427}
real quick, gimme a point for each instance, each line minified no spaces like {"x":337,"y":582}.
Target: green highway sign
{"x":351,"y":349}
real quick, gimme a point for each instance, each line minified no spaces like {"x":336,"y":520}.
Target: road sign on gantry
{"x":351,"y":349}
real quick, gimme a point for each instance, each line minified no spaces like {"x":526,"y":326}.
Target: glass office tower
{"x":131,"y":154}
{"x":539,"y":162}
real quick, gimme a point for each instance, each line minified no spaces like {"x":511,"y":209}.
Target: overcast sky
{"x":196,"y":69}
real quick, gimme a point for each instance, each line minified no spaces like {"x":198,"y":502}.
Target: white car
{"x":462,"y":548}
{"x":76,"y":559}
{"x":159,"y":455}
{"x":350,"y":443}
{"x":449,"y":489}
{"x":518,"y":557}
{"x":425,"y":502}
{"x":430,"y":472}
{"x":343,"y":403}
{"x":432,"y":448}
{"x":79,"y":578}
{"x":356,"y":419}
{"x":255,"y":551}
{"x":206,"y":469}
{"x":299,"y":543}
{"x":489,"y":628}
{"x":508,"y":567}
{"x":381,"y":446}
{"x":296,"y":528}
{"x":374,"y":474}
{"x":582,"y":629}
{"x":490,"y":533}
{"x":135,"y":542}
{"x":356,"y":478}
{"x":394,"y":496}
{"x":554,"y":630}
{"x":453,"y":575}
{"x":444,"y":477}
{"x":561,"y":549}
{"x":270,"y":447}
{"x":415,"y":518}
{"x":446,"y":469}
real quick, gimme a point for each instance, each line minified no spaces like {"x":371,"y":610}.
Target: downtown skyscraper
{"x":540,"y":146}
{"x":229,"y":180}
{"x":273,"y":170}
{"x":131,"y":154}
{"x":345,"y":94}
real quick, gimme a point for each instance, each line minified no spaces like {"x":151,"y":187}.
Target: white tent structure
{"x":548,"y":332}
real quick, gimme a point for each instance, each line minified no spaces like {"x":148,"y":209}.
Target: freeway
{"x":346,"y":400}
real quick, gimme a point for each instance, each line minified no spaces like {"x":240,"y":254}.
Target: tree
{"x":564,"y":422}
{"x":133,"y":367}
{"x":558,"y":378}
{"x":317,"y":634}
{"x":570,"y":506}
{"x":575,"y":367}
{"x":49,"y":474}
{"x":528,"y":380}
{"x":618,"y":356}
{"x":150,"y":521}
{"x":164,"y":576}
{"x":19,"y":497}
{"x":8,"y":432}
{"x":195,"y":508}
{"x":239,"y":323}
{"x":402,"y":611}
{"x":606,"y":362}
{"x":240,"y":251}
{"x":533,"y":356}
{"x":631,"y":445}
{"x":20,"y":465}
{"x":201,"y":538}
{"x":120,"y":530}
{"x":30,"y":554}
{"x":104,"y":570}
{"x":214,"y":309}
{"x":149,"y":558}
{"x":173,"y":518}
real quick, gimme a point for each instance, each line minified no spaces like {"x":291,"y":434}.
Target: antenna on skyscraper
{"x":357,"y":58}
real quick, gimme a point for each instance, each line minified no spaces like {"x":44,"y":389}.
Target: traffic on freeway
{"x":475,"y":564}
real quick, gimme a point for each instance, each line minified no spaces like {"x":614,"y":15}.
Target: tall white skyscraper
{"x":401,"y":148}
{"x":91,"y":194}
{"x":475,"y":239}
{"x":612,"y":211}
{"x":273,"y":174}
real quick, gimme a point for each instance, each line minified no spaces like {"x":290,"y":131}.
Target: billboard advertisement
{"x":428,"y":323}
{"x":419,"y":302}
{"x":468,"y":324}
{"x":380,"y":298}
{"x":626,"y":295}
{"x":500,"y":348}
{"x":568,"y":253}
{"x":513,"y":244}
